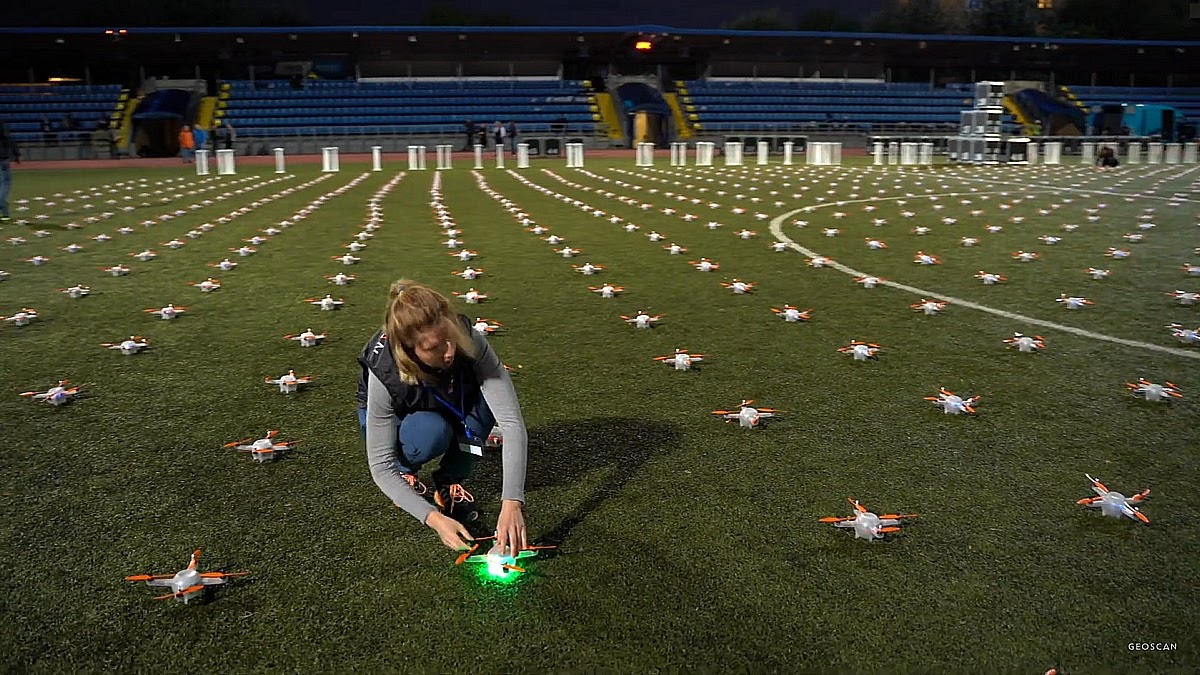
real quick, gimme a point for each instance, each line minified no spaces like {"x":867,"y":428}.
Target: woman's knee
{"x":425,"y":435}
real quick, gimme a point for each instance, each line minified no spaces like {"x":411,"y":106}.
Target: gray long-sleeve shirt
{"x":383,"y":446}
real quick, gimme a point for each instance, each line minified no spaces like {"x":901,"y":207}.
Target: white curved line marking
{"x":777,"y":230}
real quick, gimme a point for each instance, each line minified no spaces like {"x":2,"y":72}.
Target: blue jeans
{"x":426,"y":435}
{"x":187,"y":154}
{"x":6,"y":186}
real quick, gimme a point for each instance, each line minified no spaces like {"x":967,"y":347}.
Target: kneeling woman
{"x":432,"y":387}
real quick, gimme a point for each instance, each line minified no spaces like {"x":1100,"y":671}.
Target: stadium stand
{"x":27,"y":108}
{"x":331,"y":107}
{"x":789,"y":106}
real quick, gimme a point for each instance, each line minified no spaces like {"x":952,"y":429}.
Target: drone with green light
{"x":498,"y":565}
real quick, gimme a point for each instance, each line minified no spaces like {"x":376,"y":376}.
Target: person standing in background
{"x":230,"y":134}
{"x":9,"y":152}
{"x":512,"y":136}
{"x":470,"y":135}
{"x":187,"y":144}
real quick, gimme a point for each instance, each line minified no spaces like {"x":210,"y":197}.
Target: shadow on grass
{"x":567,"y":452}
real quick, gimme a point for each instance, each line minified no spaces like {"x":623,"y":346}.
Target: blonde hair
{"x":414,"y":308}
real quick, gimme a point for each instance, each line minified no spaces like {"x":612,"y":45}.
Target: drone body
{"x":1026,"y":343}
{"x":861,"y":351}
{"x":186,"y":583}
{"x":289,"y":383}
{"x":681,"y":359}
{"x":705,"y":265}
{"x":1154,"y":392}
{"x":472,"y":296}
{"x":167,"y":313}
{"x":327,"y":303}
{"x":607,"y":290}
{"x":263,"y":449}
{"x":952,"y":404}
{"x":928,"y":307}
{"x":208,"y":285}
{"x":307,"y":339}
{"x":642,"y":319}
{"x":792,"y":315}
{"x":746,"y":416}
{"x":867,"y":525}
{"x":128,"y":347}
{"x":1115,"y":504}
{"x":56,"y":395}
{"x":340,"y":279}
{"x":588,"y":269}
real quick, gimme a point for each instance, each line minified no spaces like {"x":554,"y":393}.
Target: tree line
{"x":1108,"y":19}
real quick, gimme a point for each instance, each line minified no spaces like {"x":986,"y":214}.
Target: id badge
{"x":471,"y":448}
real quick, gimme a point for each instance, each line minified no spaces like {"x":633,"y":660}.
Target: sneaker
{"x":456,"y":502}
{"x":417,"y":486}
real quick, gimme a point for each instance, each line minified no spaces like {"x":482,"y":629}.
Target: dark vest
{"x":376,"y":358}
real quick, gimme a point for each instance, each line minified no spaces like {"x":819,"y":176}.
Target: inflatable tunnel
{"x":157,"y":120}
{"x":1057,"y":117}
{"x":647,"y":115}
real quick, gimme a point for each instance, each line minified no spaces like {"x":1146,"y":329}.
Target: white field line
{"x":777,"y":229}
{"x":1061,"y":188}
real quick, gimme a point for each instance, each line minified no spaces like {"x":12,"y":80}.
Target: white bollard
{"x":733,"y":154}
{"x":444,"y":153}
{"x":201,"y":162}
{"x":644,"y":155}
{"x":704,"y":153}
{"x":764,"y":152}
{"x":522,"y":155}
{"x":825,"y":154}
{"x":377,"y":158}
{"x":789,"y":149}
{"x":574,"y":155}
{"x":1087,"y":153}
{"x":329,"y":160}
{"x":893,"y":153}
{"x":679,"y":152}
{"x":225,"y":163}
{"x":280,"y":162}
{"x":1155,"y":154}
{"x":1174,"y":152}
{"x":1190,"y":152}
{"x":1052,"y":152}
{"x":1135,"y":153}
{"x":877,"y":151}
{"x":416,"y":157}
{"x":925,"y":153}
{"x":478,"y":156}
{"x":499,"y":156}
{"x":1033,"y":152}
{"x":908,"y":154}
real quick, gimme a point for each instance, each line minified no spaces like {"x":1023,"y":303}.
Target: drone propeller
{"x":222,"y":575}
{"x":889,"y":529}
{"x":234,"y":444}
{"x":835,"y":519}
{"x":898,"y":516}
{"x":148,"y":577}
{"x":189,"y":589}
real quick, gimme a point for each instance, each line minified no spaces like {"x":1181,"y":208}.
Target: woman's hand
{"x":453,"y":533}
{"x":510,"y":529}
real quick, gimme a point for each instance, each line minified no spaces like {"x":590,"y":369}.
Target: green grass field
{"x":685,"y":543}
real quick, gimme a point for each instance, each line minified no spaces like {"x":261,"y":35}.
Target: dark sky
{"x":680,"y":13}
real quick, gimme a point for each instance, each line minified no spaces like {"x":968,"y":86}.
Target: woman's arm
{"x":498,"y":392}
{"x":382,"y":452}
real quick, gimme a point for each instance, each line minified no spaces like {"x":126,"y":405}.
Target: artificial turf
{"x":684,"y":543}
